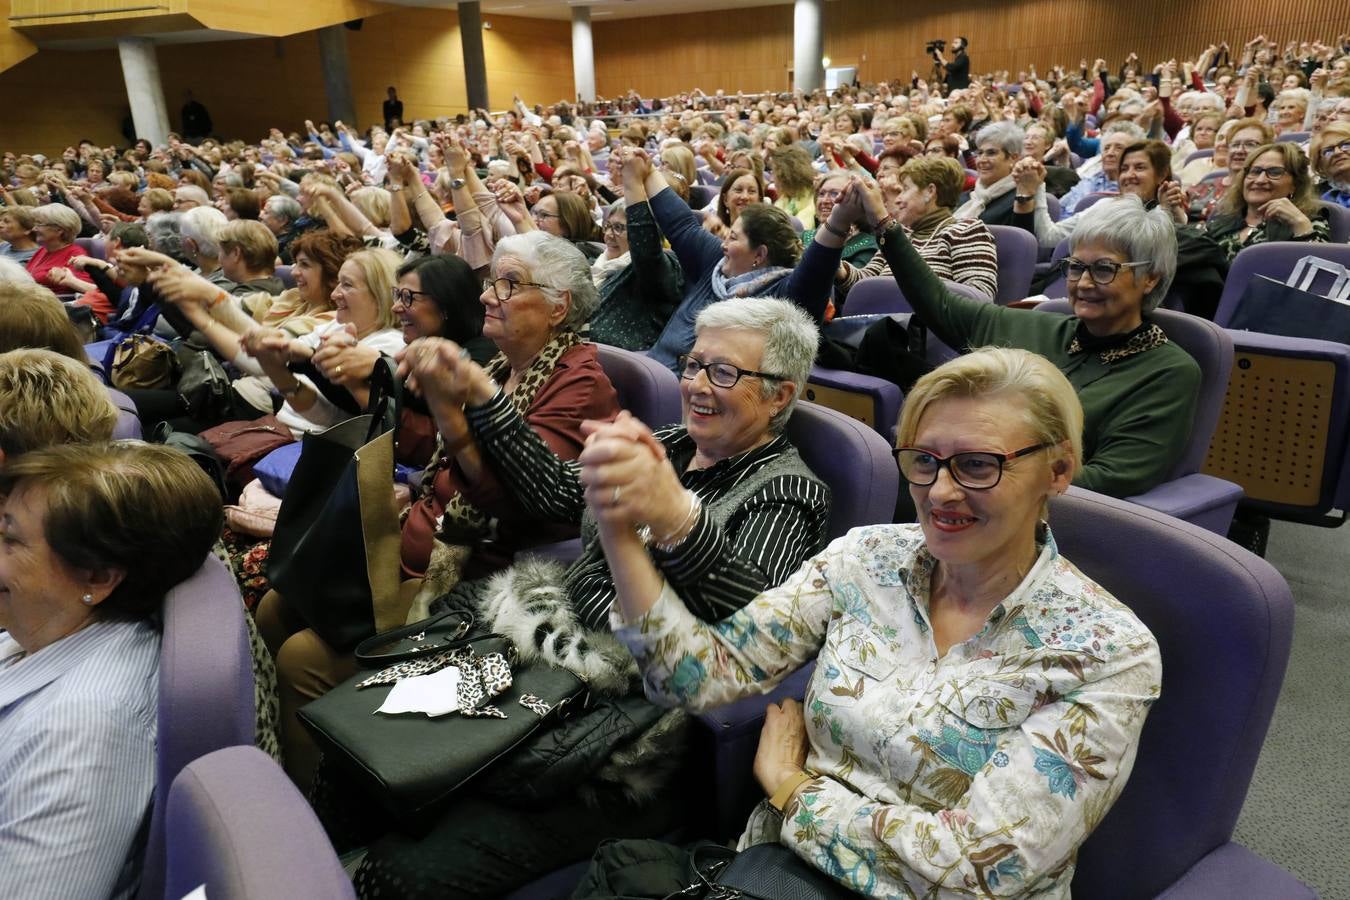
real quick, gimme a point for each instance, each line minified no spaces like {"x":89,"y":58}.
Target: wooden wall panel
{"x":251,"y":85}
{"x":752,"y":49}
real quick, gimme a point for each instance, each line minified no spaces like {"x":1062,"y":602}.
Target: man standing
{"x":393,"y":111}
{"x":196,"y":120}
{"x":955,"y":74}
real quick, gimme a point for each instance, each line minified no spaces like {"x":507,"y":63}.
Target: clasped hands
{"x":344,"y":361}
{"x":629,"y":481}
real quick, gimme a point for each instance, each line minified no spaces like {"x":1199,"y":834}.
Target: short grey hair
{"x":202,"y":225}
{"x":1140,"y":235}
{"x":231,"y":179}
{"x":790,"y":341}
{"x":164,"y":231}
{"x":285,"y":207}
{"x":1127,"y":128}
{"x":617,"y":206}
{"x":738,"y":141}
{"x":63,"y":217}
{"x":1004,"y":135}
{"x":193,"y":193}
{"x":1203,"y":99}
{"x":13,"y":271}
{"x":1301,"y":94}
{"x":556,"y":263}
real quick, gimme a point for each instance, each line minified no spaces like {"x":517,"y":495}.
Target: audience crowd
{"x":240,"y":296}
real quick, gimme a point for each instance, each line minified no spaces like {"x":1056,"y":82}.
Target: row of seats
{"x":233,"y":822}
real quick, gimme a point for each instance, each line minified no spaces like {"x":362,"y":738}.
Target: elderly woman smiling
{"x":1138,"y":390}
{"x":55,"y":228}
{"x":997,"y":147}
{"x":92,"y":538}
{"x":977,"y":701}
{"x":724,"y":495}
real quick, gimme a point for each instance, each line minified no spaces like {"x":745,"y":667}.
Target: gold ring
{"x":338,"y":370}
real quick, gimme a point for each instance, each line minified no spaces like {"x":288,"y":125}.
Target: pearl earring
{"x":88,"y":599}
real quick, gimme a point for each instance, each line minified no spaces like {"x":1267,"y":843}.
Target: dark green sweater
{"x":1137,"y":409}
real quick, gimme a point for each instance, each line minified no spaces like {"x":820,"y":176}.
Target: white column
{"x":337,"y":76}
{"x":583,"y":54}
{"x":808,"y":45}
{"x":140,"y":70}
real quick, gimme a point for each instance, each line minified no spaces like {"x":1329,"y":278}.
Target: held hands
{"x":342,"y":360}
{"x":267,"y":345}
{"x":443,"y":374}
{"x":1028,"y":174}
{"x":628,"y":479}
{"x":510,"y":201}
{"x":1172,"y":197}
{"x":783,"y":745}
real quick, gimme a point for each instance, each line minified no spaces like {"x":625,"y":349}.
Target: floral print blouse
{"x":975,"y":774}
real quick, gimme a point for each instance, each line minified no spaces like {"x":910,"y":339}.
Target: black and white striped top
{"x":763,"y":515}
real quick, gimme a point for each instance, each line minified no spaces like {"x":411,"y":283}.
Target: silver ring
{"x":614,"y":498}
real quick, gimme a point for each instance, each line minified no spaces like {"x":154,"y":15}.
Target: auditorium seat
{"x":1189,"y":494}
{"x":283,"y":273}
{"x":238,"y":827}
{"x":646,"y":388}
{"x":95,"y":247}
{"x":1199,"y":154}
{"x":205,"y":691}
{"x":700,"y":195}
{"x":1017,"y":252}
{"x":1293,"y":137}
{"x":1093,"y":198}
{"x":1340,"y":222}
{"x":1217,"y":173}
{"x":128,"y":423}
{"x":1276,"y":260}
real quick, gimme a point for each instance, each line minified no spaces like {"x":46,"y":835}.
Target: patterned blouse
{"x":977,"y":773}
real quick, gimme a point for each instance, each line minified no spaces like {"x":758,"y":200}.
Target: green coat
{"x":636,"y":303}
{"x":1138,"y":401}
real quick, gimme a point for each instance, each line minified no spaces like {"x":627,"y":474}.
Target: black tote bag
{"x":1271,"y":307}
{"x":335,"y":550}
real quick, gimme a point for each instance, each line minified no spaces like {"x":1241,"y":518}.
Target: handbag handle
{"x":386,"y":397}
{"x":367,"y":656}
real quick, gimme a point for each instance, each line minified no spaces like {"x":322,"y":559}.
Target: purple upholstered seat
{"x":852,"y":459}
{"x":238,"y":826}
{"x":1189,"y":494}
{"x":1094,"y":197}
{"x":205,"y":690}
{"x":95,"y":247}
{"x":1017,"y":250}
{"x":1274,"y":260}
{"x":700,"y":195}
{"x":1340,"y":222}
{"x":1053,"y":207}
{"x":284,"y":274}
{"x":1198,"y":154}
{"x":1223,"y":618}
{"x":1293,"y":137}
{"x":646,"y":388}
{"x":128,"y":423}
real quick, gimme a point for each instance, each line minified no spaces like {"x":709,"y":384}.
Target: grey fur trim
{"x":526,"y":603}
{"x":646,"y":765}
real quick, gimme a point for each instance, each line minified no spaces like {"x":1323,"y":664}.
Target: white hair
{"x":556,"y":263}
{"x":202,"y":225}
{"x":13,"y":271}
{"x":1003,"y":135}
{"x":1141,"y":235}
{"x":790,"y":340}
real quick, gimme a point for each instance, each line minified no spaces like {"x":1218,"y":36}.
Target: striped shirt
{"x":77,"y":761}
{"x":960,"y":250}
{"x":741,"y":544}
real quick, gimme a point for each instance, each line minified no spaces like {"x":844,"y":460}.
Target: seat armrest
{"x":1200,"y":499}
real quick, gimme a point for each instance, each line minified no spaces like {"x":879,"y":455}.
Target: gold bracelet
{"x":783,"y":795}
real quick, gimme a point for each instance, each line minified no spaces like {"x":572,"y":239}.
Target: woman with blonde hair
{"x":795,"y":180}
{"x":1270,"y":199}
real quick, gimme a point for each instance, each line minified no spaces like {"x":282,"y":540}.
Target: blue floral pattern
{"x":977,"y":773}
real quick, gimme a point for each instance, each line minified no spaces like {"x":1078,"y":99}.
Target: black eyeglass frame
{"x":511,"y":291}
{"x":685,"y":359}
{"x":947,"y":463}
{"x":406,"y":297}
{"x":1068,"y":262}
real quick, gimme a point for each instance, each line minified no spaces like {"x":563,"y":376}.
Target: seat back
{"x":205,"y":690}
{"x":1058,"y":288}
{"x":1017,"y":251}
{"x":95,"y":247}
{"x":1216,"y":174}
{"x":1092,"y":198}
{"x":700,"y":195}
{"x":1199,"y":154}
{"x":1293,"y":137}
{"x":1223,"y":618}
{"x":284,"y":274}
{"x":1284,"y":430}
{"x":646,"y":388}
{"x":238,"y":826}
{"x":128,"y":425}
{"x":1340,"y":222}
{"x":1276,"y":260}
{"x":1212,"y":348}
{"x":1053,"y":207}
{"x":879,"y":295}
{"x":852,"y":459}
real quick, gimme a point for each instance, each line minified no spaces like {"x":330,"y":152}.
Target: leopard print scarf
{"x":1146,"y":339}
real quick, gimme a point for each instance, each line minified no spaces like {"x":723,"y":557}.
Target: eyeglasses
{"x":616,"y":227}
{"x":988,"y":153}
{"x":504,"y":288}
{"x":406,"y":297}
{"x":829,"y":195}
{"x":723,"y":375}
{"x":1271,"y":172}
{"x":1102,"y":271}
{"x":537,"y":214}
{"x":976,"y":471}
{"x":1342,"y":147}
{"x":1243,"y":145}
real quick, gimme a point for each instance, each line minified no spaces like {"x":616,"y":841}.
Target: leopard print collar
{"x":1139,"y":342}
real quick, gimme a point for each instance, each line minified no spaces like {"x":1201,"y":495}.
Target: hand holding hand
{"x":1028,"y":175}
{"x":629,"y":480}
{"x":783,"y":745}
{"x":444,"y":374}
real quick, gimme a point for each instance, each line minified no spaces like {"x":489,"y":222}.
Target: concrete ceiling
{"x":600,"y":9}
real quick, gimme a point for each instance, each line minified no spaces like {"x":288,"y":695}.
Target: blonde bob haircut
{"x":377,"y":268}
{"x":1050,"y":406}
{"x":48,"y":399}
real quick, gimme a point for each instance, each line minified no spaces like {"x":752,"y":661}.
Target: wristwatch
{"x":457,"y":183}
{"x":1023,"y":198}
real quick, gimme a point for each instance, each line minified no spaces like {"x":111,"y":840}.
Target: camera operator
{"x":955,"y":74}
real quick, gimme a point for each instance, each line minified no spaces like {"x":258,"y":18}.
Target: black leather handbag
{"x":411,"y":763}
{"x":760,"y":872}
